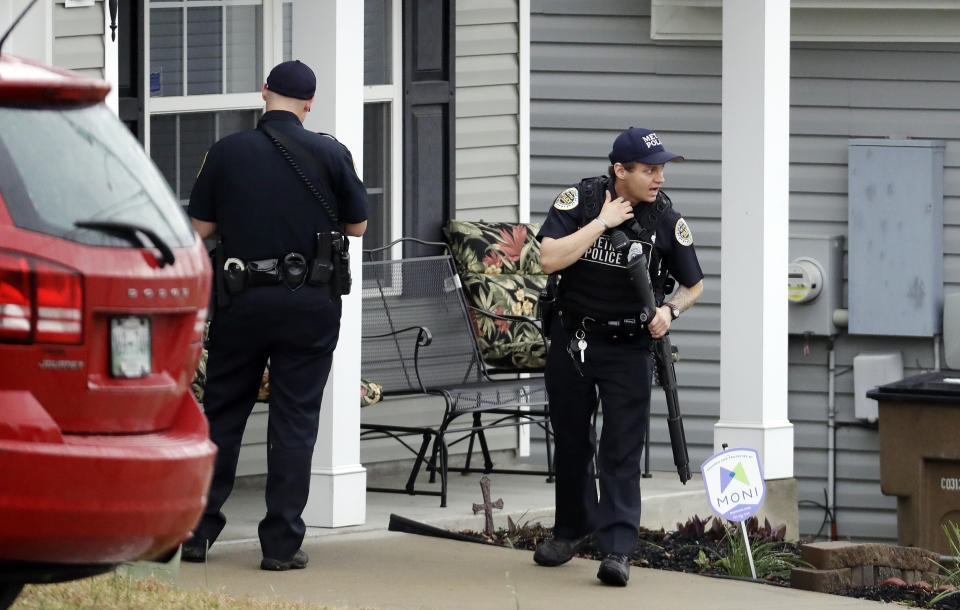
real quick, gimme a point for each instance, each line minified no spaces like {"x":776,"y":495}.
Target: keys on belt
{"x":578,"y":348}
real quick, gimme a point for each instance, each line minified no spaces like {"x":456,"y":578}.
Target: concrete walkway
{"x":367,"y":566}
{"x":525,"y":498}
{"x":409,"y":571}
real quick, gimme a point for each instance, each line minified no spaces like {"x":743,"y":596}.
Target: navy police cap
{"x":292,"y":79}
{"x":641,"y":146}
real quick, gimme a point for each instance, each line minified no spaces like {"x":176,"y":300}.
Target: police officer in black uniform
{"x":268,"y":222}
{"x":600,"y":350}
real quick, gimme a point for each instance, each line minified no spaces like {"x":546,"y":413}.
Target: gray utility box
{"x":895,"y":243}
{"x":815,"y":283}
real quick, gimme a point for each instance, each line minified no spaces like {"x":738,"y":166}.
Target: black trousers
{"x":297,"y":331}
{"x":618,"y":375}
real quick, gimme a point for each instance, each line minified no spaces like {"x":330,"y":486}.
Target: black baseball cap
{"x":642,"y":146}
{"x":292,"y":79}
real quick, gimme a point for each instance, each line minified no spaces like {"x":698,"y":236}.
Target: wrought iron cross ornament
{"x":487,"y":506}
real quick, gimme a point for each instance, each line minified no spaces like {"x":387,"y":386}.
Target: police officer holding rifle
{"x":637,"y":269}
{"x":601,"y":334}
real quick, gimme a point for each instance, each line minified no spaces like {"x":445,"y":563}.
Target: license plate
{"x":130,"y":346}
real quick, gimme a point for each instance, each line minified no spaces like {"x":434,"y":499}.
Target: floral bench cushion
{"x":499,"y":266}
{"x":370,"y":392}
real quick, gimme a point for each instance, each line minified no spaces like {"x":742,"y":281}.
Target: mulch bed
{"x":906,"y":596}
{"x":659,"y":550}
{"x":678,"y":552}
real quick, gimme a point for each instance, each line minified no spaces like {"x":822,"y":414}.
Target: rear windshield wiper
{"x":131,"y":232}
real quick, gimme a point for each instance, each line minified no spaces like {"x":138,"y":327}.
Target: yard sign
{"x":735,"y":487}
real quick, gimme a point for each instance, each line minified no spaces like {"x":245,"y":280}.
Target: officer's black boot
{"x":195,"y":550}
{"x":557,"y":551}
{"x":614,"y":570}
{"x":297,"y":562}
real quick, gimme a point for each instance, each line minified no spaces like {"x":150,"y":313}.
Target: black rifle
{"x":663,"y":359}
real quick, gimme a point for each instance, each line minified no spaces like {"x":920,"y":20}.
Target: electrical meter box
{"x":870,"y":370}
{"x":814,"y":283}
{"x":895,"y":223}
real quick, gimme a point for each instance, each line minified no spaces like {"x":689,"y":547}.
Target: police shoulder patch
{"x":567,"y":200}
{"x":681,"y":231}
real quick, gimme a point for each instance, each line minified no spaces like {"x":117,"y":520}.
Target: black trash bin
{"x":919,"y":421}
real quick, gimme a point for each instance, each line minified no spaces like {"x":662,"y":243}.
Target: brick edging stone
{"x":842,"y":565}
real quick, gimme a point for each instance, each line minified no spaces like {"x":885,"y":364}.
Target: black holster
{"x":547,"y":304}
{"x":331,"y":263}
{"x":220,"y":291}
{"x":321,"y":267}
{"x":265,"y":272}
{"x":342,"y":281}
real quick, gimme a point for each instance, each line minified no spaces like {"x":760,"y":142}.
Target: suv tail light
{"x":40,"y":301}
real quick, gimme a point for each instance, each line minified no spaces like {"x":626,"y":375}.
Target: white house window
{"x":180,"y":141}
{"x":206,"y":63}
{"x":377,"y":36}
{"x":287,"y":30}
{"x":376,"y":171}
{"x":382,"y":122}
{"x":200,"y":47}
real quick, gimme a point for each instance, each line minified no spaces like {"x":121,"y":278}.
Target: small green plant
{"x":769,"y":558}
{"x":951,"y":574}
{"x":702,"y":561}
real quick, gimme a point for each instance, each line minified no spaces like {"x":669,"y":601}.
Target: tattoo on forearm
{"x":683,"y":298}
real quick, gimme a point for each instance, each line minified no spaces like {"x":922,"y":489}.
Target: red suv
{"x":104,"y":452}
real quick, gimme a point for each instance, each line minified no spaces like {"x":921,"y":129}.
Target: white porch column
{"x":755,"y":233}
{"x":328,"y":37}
{"x":33,"y":38}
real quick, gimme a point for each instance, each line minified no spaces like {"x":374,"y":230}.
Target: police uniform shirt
{"x":261,"y":206}
{"x":597,"y":284}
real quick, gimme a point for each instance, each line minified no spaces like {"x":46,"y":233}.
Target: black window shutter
{"x":130,"y":50}
{"x":428,"y":118}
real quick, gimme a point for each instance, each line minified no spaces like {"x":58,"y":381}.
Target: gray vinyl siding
{"x":78,"y":38}
{"x":487,"y":110}
{"x":595,"y":71}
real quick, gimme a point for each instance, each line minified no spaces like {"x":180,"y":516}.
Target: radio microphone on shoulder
{"x":619,"y":240}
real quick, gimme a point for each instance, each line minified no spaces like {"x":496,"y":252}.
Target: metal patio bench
{"x":418,"y":338}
